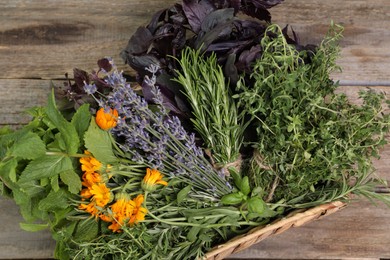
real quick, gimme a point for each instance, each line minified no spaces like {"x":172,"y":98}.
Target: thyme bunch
{"x":312,"y":145}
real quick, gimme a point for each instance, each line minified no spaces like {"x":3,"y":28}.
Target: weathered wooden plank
{"x":45,"y":39}
{"x":19,"y":95}
{"x":18,"y":244}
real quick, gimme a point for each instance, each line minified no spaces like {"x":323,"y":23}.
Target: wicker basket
{"x":295,"y":219}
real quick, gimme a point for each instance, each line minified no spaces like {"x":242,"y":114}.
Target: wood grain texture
{"x":19,"y":95}
{"x":43,"y":40}
{"x":18,"y":244}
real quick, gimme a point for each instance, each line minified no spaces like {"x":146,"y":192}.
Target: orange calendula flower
{"x":101,"y":194}
{"x":90,"y":208}
{"x":151,"y":179}
{"x":139,"y":212}
{"x":126,"y":212}
{"x":90,"y":164}
{"x":91,"y":178}
{"x":105,"y":218}
{"x":86,"y":193}
{"x":106,"y":120}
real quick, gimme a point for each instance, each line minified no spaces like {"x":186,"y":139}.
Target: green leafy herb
{"x":216,"y":117}
{"x":313,"y":146}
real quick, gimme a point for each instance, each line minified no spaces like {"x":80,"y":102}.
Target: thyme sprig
{"x":314,"y":145}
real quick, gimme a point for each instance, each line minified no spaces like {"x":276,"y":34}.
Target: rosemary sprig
{"x":216,"y":117}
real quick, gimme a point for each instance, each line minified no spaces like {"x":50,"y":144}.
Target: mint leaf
{"x":29,"y":146}
{"x":45,"y":167}
{"x":24,"y":203}
{"x":58,"y":143}
{"x":98,"y":142}
{"x":8,"y":172}
{"x":33,"y":227}
{"x":67,"y":130}
{"x":81,"y":120}
{"x":54,"y":183}
{"x":72,"y":179}
{"x":54,"y":200}
{"x":86,"y":230}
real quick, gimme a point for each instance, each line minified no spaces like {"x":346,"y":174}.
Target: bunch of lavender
{"x":149,"y":135}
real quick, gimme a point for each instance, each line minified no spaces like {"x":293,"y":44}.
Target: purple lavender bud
{"x":90,"y":89}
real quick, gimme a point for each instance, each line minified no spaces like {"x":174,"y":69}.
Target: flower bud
{"x":106,"y":120}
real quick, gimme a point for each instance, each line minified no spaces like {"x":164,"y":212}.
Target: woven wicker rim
{"x":257,"y":234}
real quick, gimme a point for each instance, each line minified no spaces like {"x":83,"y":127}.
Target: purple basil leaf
{"x":156,"y":19}
{"x":230,"y":70}
{"x":224,"y":46}
{"x":196,"y":12}
{"x":249,"y":30}
{"x":169,"y":38}
{"x":140,"y":41}
{"x":222,"y":4}
{"x":177,"y":15}
{"x":179,"y":41}
{"x":294,"y":40}
{"x":178,"y":19}
{"x":80,"y":76}
{"x":266,"y":4}
{"x":169,"y":92}
{"x":139,"y":63}
{"x":104,"y":64}
{"x":247,"y":58}
{"x":260,"y":13}
{"x":164,"y":30}
{"x":216,"y":17}
{"x":221,"y":31}
{"x":165,"y":82}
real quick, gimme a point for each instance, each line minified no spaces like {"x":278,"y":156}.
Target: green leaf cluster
{"x":37,"y":168}
{"x":249,"y":200}
{"x":312,"y":145}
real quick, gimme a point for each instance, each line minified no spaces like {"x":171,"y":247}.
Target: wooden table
{"x":42,"y":40}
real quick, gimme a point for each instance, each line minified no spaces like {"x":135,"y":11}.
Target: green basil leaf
{"x":256,"y":205}
{"x":232,"y":199}
{"x":244,"y":186}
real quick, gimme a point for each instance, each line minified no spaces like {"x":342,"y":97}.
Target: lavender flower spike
{"x":158,"y":139}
